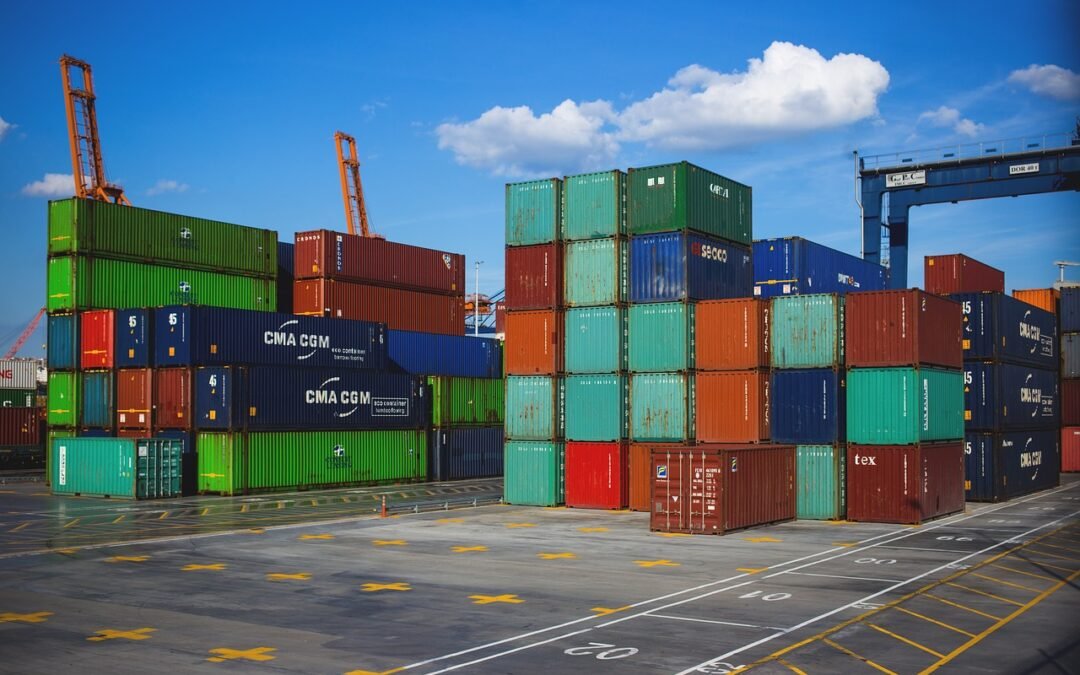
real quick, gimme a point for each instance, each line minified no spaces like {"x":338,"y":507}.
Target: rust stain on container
{"x":398,"y":309}
{"x":957,"y":273}
{"x":899,"y":328}
{"x":905,"y":484}
{"x":534,"y":276}
{"x":732,"y":334}
{"x":732,"y":406}
{"x":534,"y":344}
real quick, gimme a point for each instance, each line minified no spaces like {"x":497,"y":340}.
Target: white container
{"x":18,"y":374}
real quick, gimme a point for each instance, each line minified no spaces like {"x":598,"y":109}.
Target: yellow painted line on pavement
{"x":604,"y":611}
{"x":119,"y":519}
{"x":128,"y":558}
{"x":556,"y":556}
{"x":836,"y":645}
{"x":450,"y":521}
{"x":111,"y":634}
{"x":243,"y":508}
{"x":164,"y":515}
{"x":989,"y":595}
{"x":518,"y":525}
{"x":308,"y":537}
{"x":1007,"y":583}
{"x":1059,"y":568}
{"x":1027,"y":574}
{"x":468,"y":549}
{"x":672,"y":535}
{"x":72,"y":523}
{"x":762,"y":540}
{"x":905,"y":610}
{"x":1063,"y":548}
{"x":212,"y":567}
{"x":205,"y":511}
{"x":35,"y":617}
{"x":905,"y":640}
{"x":960,"y":606}
{"x":751,"y":570}
{"x":281,"y":576}
{"x":256,"y":654}
{"x":19,"y":527}
{"x":592,"y":529}
{"x":397,"y":586}
{"x":1054,"y":555}
{"x":791,"y":667}
{"x":656,"y":563}
{"x":390,"y":542}
{"x":492,"y":599}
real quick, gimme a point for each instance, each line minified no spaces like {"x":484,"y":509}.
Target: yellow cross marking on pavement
{"x":468,"y":549}
{"x":763,"y":540}
{"x":516,"y":525}
{"x":751,"y":570}
{"x":489,"y":599}
{"x":390,"y":542}
{"x":110,"y":634}
{"x":306,"y":537}
{"x":450,"y":521}
{"x":845,"y":544}
{"x":592,"y":529}
{"x":279,"y":576}
{"x":657,"y":563}
{"x":213,"y":567}
{"x":36,"y":617}
{"x":256,"y":654}
{"x":555,"y":556}
{"x":129,"y":558}
{"x":399,"y":586}
{"x":604,"y":611}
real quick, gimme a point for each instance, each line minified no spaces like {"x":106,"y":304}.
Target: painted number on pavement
{"x":722,"y":668}
{"x":601,"y":651}
{"x":768,"y":597}
{"x":875,"y":561}
{"x":949,"y":537}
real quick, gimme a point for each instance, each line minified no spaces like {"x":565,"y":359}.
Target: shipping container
{"x":819,"y":473}
{"x":595,"y":205}
{"x":595,"y":339}
{"x":809,"y":407}
{"x":714,"y":489}
{"x":63,"y":400}
{"x":1006,"y":397}
{"x":1070,"y":309}
{"x":906,"y":484}
{"x":533,"y":212}
{"x":673,"y":197}
{"x":460,"y":453}
{"x":662,"y":407}
{"x":793,"y":266}
{"x":97,"y":339}
{"x":1070,"y":403}
{"x":221,"y":396}
{"x":20,"y":426}
{"x":597,"y":475}
{"x":808,"y":332}
{"x":999,"y":327}
{"x":62,"y":352}
{"x":900,"y":328}
{"x":189,"y":460}
{"x":322,"y":254}
{"x":661,"y":337}
{"x":286,"y":252}
{"x":450,"y":355}
{"x":596,"y":408}
{"x":135,"y":399}
{"x":1043,"y":298}
{"x":732,"y":334}
{"x":144,"y":468}
{"x":534,"y":344}
{"x":1070,"y":355}
{"x":98,"y":399}
{"x":957,"y":273}
{"x":596,"y":272}
{"x":18,"y":398}
{"x":534,"y":473}
{"x":466,"y":401}
{"x":639,"y":489}
{"x":18,"y":374}
{"x":683,"y":266}
{"x":172,"y":398}
{"x":80,"y":283}
{"x":133,"y":327}
{"x":1070,"y":449}
{"x":535,"y":408}
{"x":899,"y":406}
{"x":534,"y":277}
{"x":397,"y":308}
{"x":733,"y":406}
{"x":999,"y":467}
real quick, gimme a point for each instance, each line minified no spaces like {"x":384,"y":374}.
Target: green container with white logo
{"x":676,"y":197}
{"x":17,"y":398}
{"x":903,"y":406}
{"x":534,"y":473}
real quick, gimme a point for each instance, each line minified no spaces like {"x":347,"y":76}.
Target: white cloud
{"x":163,"y":186}
{"x":5,"y":127}
{"x":1049,"y":80}
{"x":57,"y":185}
{"x":950,"y":117}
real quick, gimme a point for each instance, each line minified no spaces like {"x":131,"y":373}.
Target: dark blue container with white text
{"x":796,"y":266}
{"x":683,"y":266}
{"x":1000,"y":327}
{"x":1003,"y":466}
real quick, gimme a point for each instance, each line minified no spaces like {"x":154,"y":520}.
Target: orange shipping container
{"x":1043,"y":298}
{"x":534,"y":344}
{"x":732,"y":334}
{"x":641,"y":474}
{"x":1070,"y":451}
{"x":732,"y":406}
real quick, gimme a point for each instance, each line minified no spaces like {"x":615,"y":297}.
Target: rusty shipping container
{"x":20,"y":426}
{"x":534,"y":277}
{"x":534,"y":342}
{"x":596,"y":475}
{"x":957,"y":273}
{"x":135,"y":398}
{"x":713,"y":489}
{"x":906,"y":484}
{"x":1043,"y":298}
{"x":399,"y":309}
{"x":639,"y":475}
{"x":906,"y":327}
{"x":732,"y":406}
{"x":732,"y":334}
{"x":172,"y":398}
{"x":97,"y":339}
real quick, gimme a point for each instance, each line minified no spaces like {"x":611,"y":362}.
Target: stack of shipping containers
{"x":21,"y":419}
{"x":1069,"y":323}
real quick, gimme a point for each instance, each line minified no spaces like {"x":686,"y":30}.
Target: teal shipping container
{"x":676,"y":197}
{"x":596,"y":408}
{"x":534,"y":473}
{"x":808,"y":331}
{"x":902,"y":406}
{"x":662,"y":407}
{"x":596,"y":272}
{"x":595,"y":205}
{"x":126,"y":468}
{"x":534,"y":408}
{"x":661,"y":337}
{"x":595,"y":340}
{"x":63,"y":342}
{"x":533,"y":212}
{"x":819,"y":484}
{"x":98,"y":407}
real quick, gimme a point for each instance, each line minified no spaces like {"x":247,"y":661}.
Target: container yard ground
{"x":507,"y":589}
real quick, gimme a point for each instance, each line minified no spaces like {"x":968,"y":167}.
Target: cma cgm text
{"x":283,"y":339}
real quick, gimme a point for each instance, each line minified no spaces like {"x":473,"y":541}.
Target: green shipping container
{"x":534,"y":473}
{"x":466,"y":401}
{"x":18,"y":398}
{"x":820,"y":482}
{"x":902,"y":406}
{"x":232,"y":463}
{"x":126,"y":468}
{"x":596,"y":272}
{"x":596,"y":408}
{"x":661,"y":337}
{"x":595,"y":205}
{"x":662,"y":407}
{"x":104,"y":230}
{"x":808,"y":331}
{"x":675,"y":197}
{"x":595,"y":340}
{"x":63,"y":400}
{"x":79,"y":283}
{"x":533,"y":212}
{"x":534,"y":408}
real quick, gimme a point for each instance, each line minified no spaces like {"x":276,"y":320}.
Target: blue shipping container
{"x":681,"y":266}
{"x":997,"y":326}
{"x":1007,"y":397}
{"x":1069,"y":310}
{"x":98,"y":405}
{"x":210,"y":336}
{"x":808,"y":406}
{"x":217,"y":406}
{"x":189,"y":461}
{"x":793,"y":265}
{"x":467,"y":452}
{"x":63,"y":341}
{"x":453,"y":355}
{"x":998,"y":467}
{"x":133,"y":328}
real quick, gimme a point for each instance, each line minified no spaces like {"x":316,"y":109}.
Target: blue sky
{"x":228,"y":111}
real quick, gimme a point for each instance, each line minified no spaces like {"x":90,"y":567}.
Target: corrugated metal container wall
{"x":1070,"y":355}
{"x":998,"y":467}
{"x":97,"y":339}
{"x":220,"y":395}
{"x":63,"y":402}
{"x":732,"y":406}
{"x":115,"y":467}
{"x":732,"y":334}
{"x":905,"y":484}
{"x":595,"y":340}
{"x":533,"y":212}
{"x":1070,"y":449}
{"x":1070,"y":309}
{"x":793,"y":265}
{"x":681,"y":266}
{"x":534,"y":408}
{"x":20,"y":426}
{"x":398,"y":309}
{"x":808,"y":332}
{"x":595,"y":205}
{"x":18,"y":374}
{"x":534,"y":473}
{"x":534,"y":343}
{"x":596,"y":272}
{"x":640,"y":474}
{"x":897,"y":406}
{"x":907,"y":327}
{"x":661,"y":337}
{"x":63,"y":342}
{"x":1043,"y":298}
{"x":457,"y":401}
{"x":957,"y":273}
{"x":450,"y":355}
{"x":98,"y":407}
{"x":999,"y":327}
{"x":820,"y":482}
{"x":463,"y":453}
{"x":133,"y":328}
{"x":662,"y":407}
{"x":596,"y":407}
{"x":713,"y":489}
{"x":18,"y":398}
{"x":172,"y":398}
{"x":102,"y":229}
{"x":673,"y":197}
{"x":1004,"y":397}
{"x":534,"y":277}
{"x":189,"y":460}
{"x":1070,"y":403}
{"x":370,"y":260}
{"x":597,"y":475}
{"x":808,"y":406}
{"x":78,"y":283}
{"x":134,"y":398}
{"x":286,"y":253}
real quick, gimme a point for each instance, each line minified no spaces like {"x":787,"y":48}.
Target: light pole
{"x":476,"y":301}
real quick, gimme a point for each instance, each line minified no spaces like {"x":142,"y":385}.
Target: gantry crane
{"x":352,"y":191}
{"x":86,"y":158}
{"x":25,"y":335}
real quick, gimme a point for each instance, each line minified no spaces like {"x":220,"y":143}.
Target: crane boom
{"x":25,"y":335}
{"x":352,"y":191}
{"x":89,"y":168}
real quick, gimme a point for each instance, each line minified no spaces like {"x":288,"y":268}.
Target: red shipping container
{"x":534,"y":344}
{"x":172,"y":398}
{"x":903,"y":328}
{"x":957,"y":273}
{"x":97,"y":339}
{"x":905,"y":484}
{"x":732,"y":334}
{"x":20,"y":426}
{"x":1043,"y":298}
{"x":1070,"y":449}
{"x":640,"y":474}
{"x":134,"y":398}
{"x":597,"y":475}
{"x":398,"y":309}
{"x":132,"y":433}
{"x":1070,"y":403}
{"x":534,"y":277}
{"x":500,"y":317}
{"x":712,"y":489}
{"x":322,"y":254}
{"x":732,"y":406}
